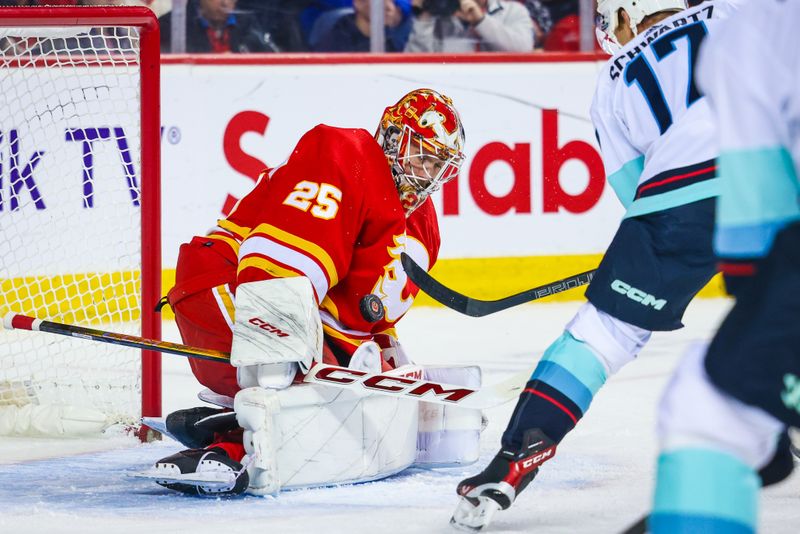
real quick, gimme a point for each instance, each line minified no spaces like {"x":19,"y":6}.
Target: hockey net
{"x":79,"y":215}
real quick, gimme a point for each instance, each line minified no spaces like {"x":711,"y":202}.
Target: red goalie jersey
{"x":331,"y":213}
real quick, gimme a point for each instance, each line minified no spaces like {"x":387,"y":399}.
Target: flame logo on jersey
{"x":391,"y":287}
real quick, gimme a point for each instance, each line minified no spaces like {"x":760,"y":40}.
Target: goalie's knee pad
{"x":613,"y":342}
{"x":693,"y":412}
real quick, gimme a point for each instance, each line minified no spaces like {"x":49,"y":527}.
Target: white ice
{"x":600,"y":481}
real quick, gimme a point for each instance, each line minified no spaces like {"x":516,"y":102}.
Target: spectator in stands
{"x":470,"y":25}
{"x":565,"y":33}
{"x":281,"y":20}
{"x":216,"y":26}
{"x":542,"y":22}
{"x":350,"y":32}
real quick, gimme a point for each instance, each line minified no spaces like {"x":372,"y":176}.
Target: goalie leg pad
{"x":449,"y":435}
{"x":256,"y":409}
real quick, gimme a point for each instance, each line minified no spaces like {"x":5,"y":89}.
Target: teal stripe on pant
{"x":577,"y":359}
{"x":704,"y":488}
{"x":554,"y":375}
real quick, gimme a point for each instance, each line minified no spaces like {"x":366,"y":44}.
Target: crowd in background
{"x":442,"y":26}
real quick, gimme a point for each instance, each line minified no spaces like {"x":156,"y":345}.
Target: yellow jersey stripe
{"x":265,"y":265}
{"x":332,"y":332}
{"x":239,"y":231}
{"x":317,"y":252}
{"x":230,"y":241}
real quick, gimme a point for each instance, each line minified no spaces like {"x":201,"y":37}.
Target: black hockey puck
{"x":371,"y":308}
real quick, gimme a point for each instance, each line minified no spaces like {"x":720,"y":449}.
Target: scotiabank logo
{"x":263,"y":325}
{"x":22,"y":164}
{"x":517,"y":156}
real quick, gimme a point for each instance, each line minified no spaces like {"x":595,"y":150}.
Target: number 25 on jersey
{"x":323,"y":199}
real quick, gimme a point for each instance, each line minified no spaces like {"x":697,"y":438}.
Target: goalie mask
{"x":423,"y":139}
{"x":607,"y":17}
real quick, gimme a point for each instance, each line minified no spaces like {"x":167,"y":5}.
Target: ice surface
{"x":600,"y":481}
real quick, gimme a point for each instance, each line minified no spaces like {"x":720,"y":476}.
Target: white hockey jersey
{"x":652,"y":122}
{"x":751,"y":73}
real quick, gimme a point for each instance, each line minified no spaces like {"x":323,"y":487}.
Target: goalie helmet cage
{"x":79,"y":213}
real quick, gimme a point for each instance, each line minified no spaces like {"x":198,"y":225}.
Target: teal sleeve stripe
{"x":703,"y":482}
{"x":578,"y":359}
{"x":554,"y":375}
{"x":625,"y":180}
{"x":677,"y":524}
{"x":672,"y":199}
{"x":758,"y":186}
{"x":753,"y":241}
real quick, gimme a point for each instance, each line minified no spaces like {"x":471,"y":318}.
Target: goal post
{"x":79,"y":213}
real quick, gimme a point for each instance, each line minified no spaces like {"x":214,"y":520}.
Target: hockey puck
{"x":371,"y":308}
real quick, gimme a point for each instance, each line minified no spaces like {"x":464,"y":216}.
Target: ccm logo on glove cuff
{"x":411,"y":387}
{"x":263,"y":325}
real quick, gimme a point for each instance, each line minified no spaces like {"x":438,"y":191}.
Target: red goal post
{"x":93,"y":122}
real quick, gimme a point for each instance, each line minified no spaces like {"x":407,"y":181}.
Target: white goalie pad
{"x":323,"y":436}
{"x":277,"y":325}
{"x":449,"y":435}
{"x":313,"y":435}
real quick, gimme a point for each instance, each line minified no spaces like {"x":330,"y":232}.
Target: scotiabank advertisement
{"x":532,"y":188}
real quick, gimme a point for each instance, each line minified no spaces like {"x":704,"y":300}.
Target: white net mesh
{"x":70,"y":221}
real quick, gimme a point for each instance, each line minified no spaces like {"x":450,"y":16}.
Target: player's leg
{"x":723,"y":422}
{"x":204,"y":308}
{"x":203,"y":304}
{"x":651,"y":271}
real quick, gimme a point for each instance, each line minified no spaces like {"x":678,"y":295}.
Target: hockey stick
{"x":476,"y":307}
{"x":640,"y":527}
{"x":410,"y":387}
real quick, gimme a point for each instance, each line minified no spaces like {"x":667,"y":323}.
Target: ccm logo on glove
{"x":263,"y":325}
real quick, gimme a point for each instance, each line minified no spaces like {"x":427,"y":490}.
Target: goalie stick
{"x":410,"y":387}
{"x":476,"y":307}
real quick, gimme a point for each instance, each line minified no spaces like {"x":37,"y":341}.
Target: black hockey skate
{"x":498,"y":485}
{"x":201,"y":472}
{"x":195,"y":427}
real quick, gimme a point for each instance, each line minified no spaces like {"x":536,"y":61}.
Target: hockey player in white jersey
{"x":656,"y":138}
{"x":723,"y":415}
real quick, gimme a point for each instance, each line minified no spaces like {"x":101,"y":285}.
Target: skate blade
{"x":471,"y":518}
{"x":209,"y":479}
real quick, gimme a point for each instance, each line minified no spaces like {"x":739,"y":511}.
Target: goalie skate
{"x":199,"y":472}
{"x":497,"y":486}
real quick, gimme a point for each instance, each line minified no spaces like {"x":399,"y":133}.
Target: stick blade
{"x":433,"y":288}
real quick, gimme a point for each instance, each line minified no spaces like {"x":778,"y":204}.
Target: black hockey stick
{"x":476,"y":307}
